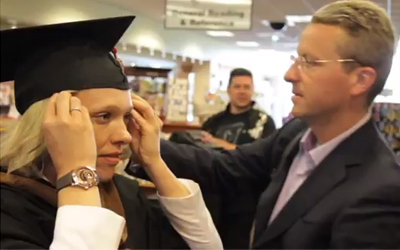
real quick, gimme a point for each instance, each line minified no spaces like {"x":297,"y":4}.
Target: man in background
{"x":241,"y":122}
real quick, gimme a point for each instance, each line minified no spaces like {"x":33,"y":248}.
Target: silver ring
{"x":75,"y":109}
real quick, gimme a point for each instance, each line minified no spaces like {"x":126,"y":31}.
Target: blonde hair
{"x":22,"y":145}
{"x":372,"y":38}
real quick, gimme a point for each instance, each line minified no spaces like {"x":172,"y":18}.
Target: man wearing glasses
{"x":326,"y":180}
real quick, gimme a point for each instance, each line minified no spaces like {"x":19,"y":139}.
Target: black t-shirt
{"x":231,"y":127}
{"x":236,"y":128}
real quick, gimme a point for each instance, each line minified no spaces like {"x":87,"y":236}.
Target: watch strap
{"x":64,"y":181}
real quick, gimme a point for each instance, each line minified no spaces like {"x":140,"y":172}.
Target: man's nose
{"x":292,"y":75}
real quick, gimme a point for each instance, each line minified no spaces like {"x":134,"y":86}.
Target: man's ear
{"x":363,"y":80}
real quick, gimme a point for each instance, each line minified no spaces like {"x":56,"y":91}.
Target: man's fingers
{"x":137,"y":98}
{"x":145,"y":110}
{"x":139,"y":120}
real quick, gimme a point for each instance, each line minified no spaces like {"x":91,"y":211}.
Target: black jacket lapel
{"x":326,"y":176}
{"x":319,"y":183}
{"x":269,"y":197}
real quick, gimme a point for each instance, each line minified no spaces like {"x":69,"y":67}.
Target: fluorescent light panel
{"x":247,"y":44}
{"x":217,"y":33}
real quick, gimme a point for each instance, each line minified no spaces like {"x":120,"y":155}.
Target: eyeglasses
{"x":305,"y":64}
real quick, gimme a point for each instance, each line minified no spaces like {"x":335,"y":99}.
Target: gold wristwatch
{"x":83,"y":177}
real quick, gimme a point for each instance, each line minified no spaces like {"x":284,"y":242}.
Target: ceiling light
{"x":247,"y":44}
{"x":298,"y":18}
{"x":265,"y":23}
{"x":220,"y":33}
{"x":275,"y":38}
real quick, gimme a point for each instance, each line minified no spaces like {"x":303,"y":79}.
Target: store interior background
{"x":203,"y":57}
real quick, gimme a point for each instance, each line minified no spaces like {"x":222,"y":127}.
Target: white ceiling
{"x":148,"y":28}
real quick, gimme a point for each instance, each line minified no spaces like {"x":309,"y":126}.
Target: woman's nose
{"x":122,"y":137}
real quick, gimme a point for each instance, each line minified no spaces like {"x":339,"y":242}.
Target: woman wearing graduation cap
{"x":58,"y":187}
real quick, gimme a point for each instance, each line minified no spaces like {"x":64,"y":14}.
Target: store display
{"x":387,"y":116}
{"x":150,"y":84}
{"x":178,"y":92}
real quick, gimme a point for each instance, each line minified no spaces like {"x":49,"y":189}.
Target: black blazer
{"x":350,"y":201}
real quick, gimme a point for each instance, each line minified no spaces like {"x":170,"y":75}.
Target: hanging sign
{"x":208,"y":14}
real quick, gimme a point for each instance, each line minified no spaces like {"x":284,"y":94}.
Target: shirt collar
{"x":309,"y":144}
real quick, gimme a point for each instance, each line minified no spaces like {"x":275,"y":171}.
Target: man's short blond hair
{"x":372,"y":37}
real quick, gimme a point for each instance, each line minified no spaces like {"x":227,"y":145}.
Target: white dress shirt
{"x":102,"y":229}
{"x":191,"y":218}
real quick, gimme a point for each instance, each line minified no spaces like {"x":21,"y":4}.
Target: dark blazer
{"x":350,"y":201}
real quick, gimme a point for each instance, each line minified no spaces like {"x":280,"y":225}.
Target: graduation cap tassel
{"x":115,"y":53}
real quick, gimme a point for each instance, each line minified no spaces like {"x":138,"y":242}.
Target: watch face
{"x":84,"y":177}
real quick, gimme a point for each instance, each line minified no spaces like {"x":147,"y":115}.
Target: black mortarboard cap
{"x":44,"y":60}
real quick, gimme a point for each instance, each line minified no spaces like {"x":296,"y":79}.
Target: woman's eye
{"x":128,"y":116}
{"x":105,"y":116}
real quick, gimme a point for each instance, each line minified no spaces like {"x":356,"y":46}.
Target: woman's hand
{"x":145,"y":129}
{"x":68,"y":134}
